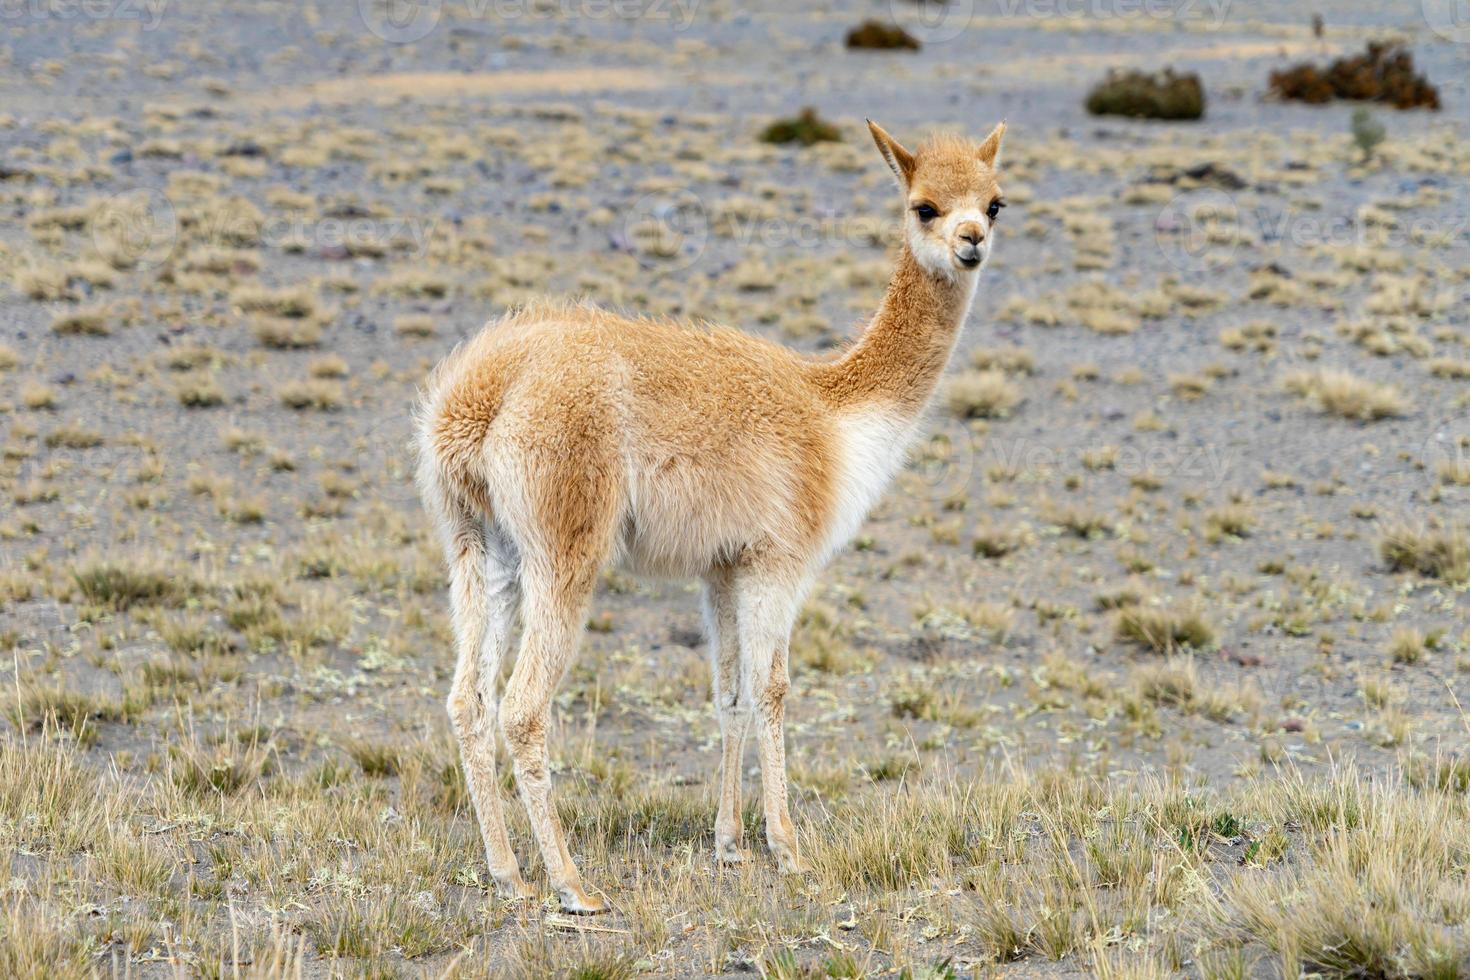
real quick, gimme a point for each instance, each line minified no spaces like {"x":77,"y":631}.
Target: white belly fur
{"x":871,"y":446}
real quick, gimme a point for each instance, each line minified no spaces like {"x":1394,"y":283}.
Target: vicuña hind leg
{"x":552,"y":627}
{"x":483,"y":599}
{"x":768,"y":602}
{"x":732,"y":706}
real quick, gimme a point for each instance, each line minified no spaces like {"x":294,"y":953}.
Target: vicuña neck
{"x":899,"y":358}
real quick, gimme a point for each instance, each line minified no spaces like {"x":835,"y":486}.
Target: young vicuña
{"x":563,"y":438}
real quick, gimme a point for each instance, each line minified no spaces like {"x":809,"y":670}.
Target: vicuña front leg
{"x":767,"y":610}
{"x":732,"y":706}
{"x":550,"y":630}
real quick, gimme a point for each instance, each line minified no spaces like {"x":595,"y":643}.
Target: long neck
{"x":899,"y":358}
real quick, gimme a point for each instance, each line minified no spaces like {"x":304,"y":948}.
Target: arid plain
{"x":1152,"y":663}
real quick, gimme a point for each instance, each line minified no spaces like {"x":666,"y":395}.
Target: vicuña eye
{"x":993,"y":211}
{"x":925,"y":212}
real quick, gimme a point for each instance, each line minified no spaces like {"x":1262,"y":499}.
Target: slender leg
{"x":483,"y":594}
{"x":732,"y":705}
{"x":767,"y":605}
{"x":552,"y":626}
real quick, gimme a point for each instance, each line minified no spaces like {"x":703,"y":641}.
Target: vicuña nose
{"x":972,"y":233}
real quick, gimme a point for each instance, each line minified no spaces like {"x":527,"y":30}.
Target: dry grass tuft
{"x":988,"y":394}
{"x":322,"y":394}
{"x":123,"y":586}
{"x":1163,"y":629}
{"x":1342,"y":393}
{"x":84,"y":322}
{"x":1442,"y":553}
{"x":415,"y":325}
{"x":295,"y":302}
{"x":286,"y":333}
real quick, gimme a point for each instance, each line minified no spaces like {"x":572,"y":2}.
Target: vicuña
{"x":563,"y":438}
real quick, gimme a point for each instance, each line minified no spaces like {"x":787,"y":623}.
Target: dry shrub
{"x":1383,"y":73}
{"x":805,"y":128}
{"x":874,"y":35}
{"x":1148,"y":95}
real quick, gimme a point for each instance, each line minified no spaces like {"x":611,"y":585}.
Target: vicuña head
{"x":564,"y":438}
{"x":952,"y":194}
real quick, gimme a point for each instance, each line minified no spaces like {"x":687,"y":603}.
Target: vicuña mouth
{"x":970,"y":261}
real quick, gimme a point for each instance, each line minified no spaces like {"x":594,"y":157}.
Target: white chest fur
{"x":871,"y":446}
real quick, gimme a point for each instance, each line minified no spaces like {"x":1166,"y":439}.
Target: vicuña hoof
{"x":788,"y":859}
{"x":515,"y":889}
{"x":728,"y":852}
{"x":578,"y":902}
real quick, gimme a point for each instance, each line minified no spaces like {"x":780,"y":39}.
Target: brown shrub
{"x":1383,"y":73}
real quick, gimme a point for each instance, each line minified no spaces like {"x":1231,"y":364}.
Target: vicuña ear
{"x":900,"y":161}
{"x":990,"y":149}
